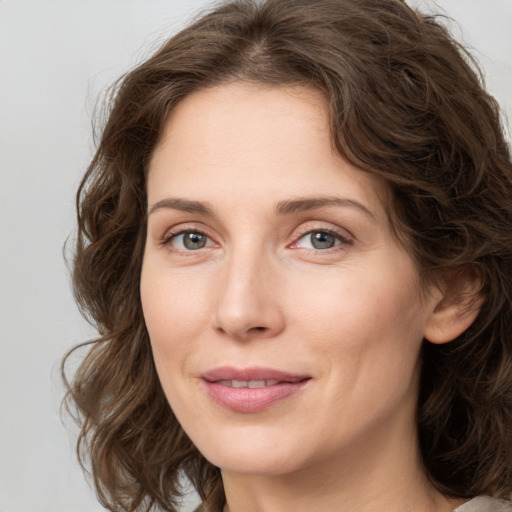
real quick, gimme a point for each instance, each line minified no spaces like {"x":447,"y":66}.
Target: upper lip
{"x":248,"y":374}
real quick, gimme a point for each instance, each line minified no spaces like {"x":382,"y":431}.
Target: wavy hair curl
{"x":407,"y":103}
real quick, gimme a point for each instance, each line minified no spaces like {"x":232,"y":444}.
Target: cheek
{"x":359,"y":304}
{"x":368,"y":327}
{"x":172,"y":299}
{"x":175,"y":313}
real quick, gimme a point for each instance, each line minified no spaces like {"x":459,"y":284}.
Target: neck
{"x":384,"y":474}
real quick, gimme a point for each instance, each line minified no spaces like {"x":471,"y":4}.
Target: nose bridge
{"x":247,"y":301}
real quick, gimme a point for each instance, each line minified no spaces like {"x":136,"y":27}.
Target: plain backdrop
{"x":56,"y":56}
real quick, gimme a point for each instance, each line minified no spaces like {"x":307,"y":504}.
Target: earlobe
{"x":454,"y":311}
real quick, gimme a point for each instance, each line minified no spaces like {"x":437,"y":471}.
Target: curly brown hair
{"x":407,"y":103}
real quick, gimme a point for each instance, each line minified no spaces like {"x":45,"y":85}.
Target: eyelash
{"x":173,"y":235}
{"x":341,"y":238}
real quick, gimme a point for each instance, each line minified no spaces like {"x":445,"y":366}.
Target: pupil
{"x":194,"y":240}
{"x":321,"y":240}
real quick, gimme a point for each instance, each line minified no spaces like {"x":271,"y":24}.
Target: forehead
{"x":244,"y":139}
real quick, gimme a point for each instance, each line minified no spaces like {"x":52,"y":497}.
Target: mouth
{"x":251,"y":390}
{"x":253,"y":384}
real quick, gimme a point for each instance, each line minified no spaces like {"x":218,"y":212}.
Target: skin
{"x":260,"y":293}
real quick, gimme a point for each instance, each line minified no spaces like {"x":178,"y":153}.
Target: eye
{"x":191,"y":240}
{"x":320,"y":240}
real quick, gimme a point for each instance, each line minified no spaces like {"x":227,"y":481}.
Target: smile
{"x":248,"y":383}
{"x":251,"y":390}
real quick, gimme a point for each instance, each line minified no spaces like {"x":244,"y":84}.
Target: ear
{"x":456,"y":303}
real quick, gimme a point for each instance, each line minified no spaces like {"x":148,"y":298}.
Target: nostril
{"x":259,"y":328}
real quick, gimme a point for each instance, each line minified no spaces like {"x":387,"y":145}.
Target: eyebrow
{"x":286,"y":207}
{"x":311,"y":203}
{"x":183,"y":205}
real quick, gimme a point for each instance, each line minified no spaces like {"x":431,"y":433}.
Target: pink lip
{"x":251,"y":399}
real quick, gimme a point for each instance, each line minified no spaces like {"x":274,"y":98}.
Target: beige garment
{"x":485,"y":504}
{"x":478,"y":504}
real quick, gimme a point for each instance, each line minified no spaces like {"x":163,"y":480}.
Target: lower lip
{"x":251,"y":399}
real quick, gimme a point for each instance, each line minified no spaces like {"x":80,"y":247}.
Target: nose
{"x":248,"y":305}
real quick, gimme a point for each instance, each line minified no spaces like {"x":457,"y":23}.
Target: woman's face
{"x":285,"y":321}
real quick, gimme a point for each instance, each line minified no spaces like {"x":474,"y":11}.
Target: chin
{"x":253,"y":451}
{"x":255,"y":464}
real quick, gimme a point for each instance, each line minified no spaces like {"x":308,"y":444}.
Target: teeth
{"x":255,"y":383}
{"x":247,"y":383}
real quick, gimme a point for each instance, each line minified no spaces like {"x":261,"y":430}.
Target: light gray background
{"x":55,"y":58}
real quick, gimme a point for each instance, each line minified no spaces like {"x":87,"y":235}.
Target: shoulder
{"x":485,"y":504}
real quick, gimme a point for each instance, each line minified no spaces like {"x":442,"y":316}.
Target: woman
{"x":295,"y":241}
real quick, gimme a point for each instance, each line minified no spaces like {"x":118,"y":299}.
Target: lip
{"x":248,"y":399}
